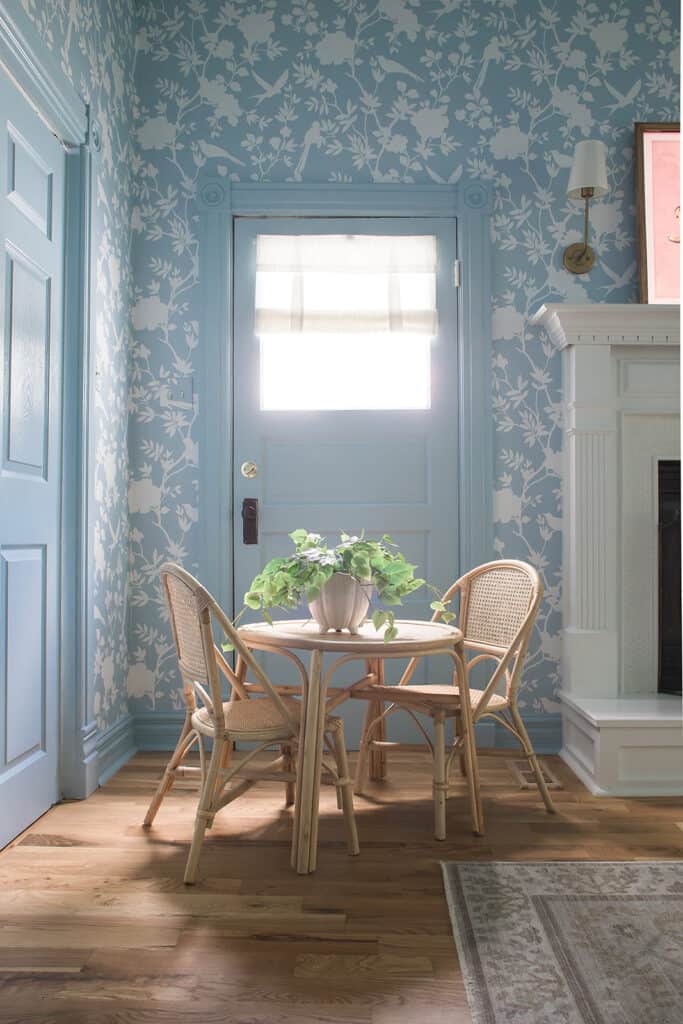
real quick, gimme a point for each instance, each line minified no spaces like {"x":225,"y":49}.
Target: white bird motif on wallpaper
{"x":209,"y":150}
{"x":622,"y":101}
{"x":270,"y":90}
{"x":492,"y":52}
{"x":620,"y":280}
{"x":311,"y":138}
{"x":392,"y":67}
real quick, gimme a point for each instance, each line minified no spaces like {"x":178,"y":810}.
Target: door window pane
{"x":345,"y":321}
{"x":353,"y":371}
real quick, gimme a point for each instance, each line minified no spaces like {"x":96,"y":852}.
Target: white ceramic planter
{"x":341,"y":604}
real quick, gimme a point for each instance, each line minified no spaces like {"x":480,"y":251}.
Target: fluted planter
{"x":341,"y":604}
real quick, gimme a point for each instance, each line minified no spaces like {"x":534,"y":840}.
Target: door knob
{"x":249,"y":470}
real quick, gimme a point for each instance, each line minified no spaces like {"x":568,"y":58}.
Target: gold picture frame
{"x":659,"y":276}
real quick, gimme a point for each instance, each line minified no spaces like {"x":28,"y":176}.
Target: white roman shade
{"x":346,"y":284}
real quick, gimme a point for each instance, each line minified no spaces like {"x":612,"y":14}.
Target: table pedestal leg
{"x":305,"y":837}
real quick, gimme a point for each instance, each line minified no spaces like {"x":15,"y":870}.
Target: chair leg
{"x":461,"y":757}
{"x":439,"y":783}
{"x":345,"y":788}
{"x":168,"y":778}
{"x":205,"y":810}
{"x":288,"y":766}
{"x":364,"y":748}
{"x":531,"y":758}
{"x":226,"y":757}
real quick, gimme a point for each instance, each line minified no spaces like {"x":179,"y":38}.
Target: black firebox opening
{"x":669,"y":677}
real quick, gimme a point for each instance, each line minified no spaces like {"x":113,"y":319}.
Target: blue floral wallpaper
{"x":384,"y":91}
{"x":349,"y":91}
{"x":95,"y":42}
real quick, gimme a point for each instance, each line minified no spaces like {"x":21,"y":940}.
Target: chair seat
{"x":256,"y":718}
{"x":441,"y":694}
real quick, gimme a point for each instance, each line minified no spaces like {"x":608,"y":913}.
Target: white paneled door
{"x":346,"y":404}
{"x":31,"y":303}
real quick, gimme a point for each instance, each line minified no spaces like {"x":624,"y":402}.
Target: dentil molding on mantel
{"x":609,"y":323}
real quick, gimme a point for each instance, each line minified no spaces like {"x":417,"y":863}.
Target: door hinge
{"x":456,"y":273}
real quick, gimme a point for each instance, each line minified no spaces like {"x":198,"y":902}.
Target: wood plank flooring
{"x":96,"y":926}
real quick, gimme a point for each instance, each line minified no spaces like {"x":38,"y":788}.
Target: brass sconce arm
{"x":579,"y":258}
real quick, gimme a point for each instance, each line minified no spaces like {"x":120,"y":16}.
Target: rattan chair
{"x":498,"y":606}
{"x":259,"y":713}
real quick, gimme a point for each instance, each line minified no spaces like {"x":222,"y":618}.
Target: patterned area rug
{"x":569,"y":943}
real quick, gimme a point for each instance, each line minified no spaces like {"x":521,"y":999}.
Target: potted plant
{"x":337,"y":581}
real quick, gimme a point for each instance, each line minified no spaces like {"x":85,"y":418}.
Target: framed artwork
{"x":658,"y":210}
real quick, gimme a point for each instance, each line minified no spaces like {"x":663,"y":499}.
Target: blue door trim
{"x":38,"y":74}
{"x":80,"y":740}
{"x":36,"y":71}
{"x":219,"y":201}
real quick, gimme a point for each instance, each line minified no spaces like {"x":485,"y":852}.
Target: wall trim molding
{"x":159,"y":730}
{"x":219,"y":201}
{"x":115,"y":746}
{"x":38,"y":75}
{"x":78,"y":764}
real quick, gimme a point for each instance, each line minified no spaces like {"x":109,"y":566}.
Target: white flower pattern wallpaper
{"x":349,"y":91}
{"x":386,"y":91}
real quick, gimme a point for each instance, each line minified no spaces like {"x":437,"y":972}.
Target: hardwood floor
{"x":97,"y":926}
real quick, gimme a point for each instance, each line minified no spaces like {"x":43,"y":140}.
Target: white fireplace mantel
{"x":609,"y":323}
{"x":621,"y":401}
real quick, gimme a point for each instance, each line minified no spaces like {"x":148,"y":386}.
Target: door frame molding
{"x":26,"y":59}
{"x":219,"y":201}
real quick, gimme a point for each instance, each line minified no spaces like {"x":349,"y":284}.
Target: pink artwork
{"x":659,"y":212}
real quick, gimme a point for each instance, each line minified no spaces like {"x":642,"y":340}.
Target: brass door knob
{"x":249,"y":470}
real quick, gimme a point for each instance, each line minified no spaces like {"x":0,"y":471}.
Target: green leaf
{"x":227,"y":647}
{"x":379,"y":618}
{"x":438,"y":606}
{"x":252,"y":600}
{"x":390,"y":634}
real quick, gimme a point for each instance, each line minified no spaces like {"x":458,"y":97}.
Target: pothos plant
{"x":285,"y":581}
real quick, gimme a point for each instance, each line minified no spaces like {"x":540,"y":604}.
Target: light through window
{"x":345,"y":321}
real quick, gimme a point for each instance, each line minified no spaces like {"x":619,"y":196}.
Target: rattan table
{"x":415,"y":639}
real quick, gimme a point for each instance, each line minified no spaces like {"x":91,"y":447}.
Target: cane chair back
{"x":498,"y":606}
{"x":201,"y":663}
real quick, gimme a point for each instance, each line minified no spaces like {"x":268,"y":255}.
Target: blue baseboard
{"x":159,"y":730}
{"x":115,"y":745}
{"x":545,"y":733}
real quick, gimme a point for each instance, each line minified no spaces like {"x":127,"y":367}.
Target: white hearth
{"x":621,"y":388}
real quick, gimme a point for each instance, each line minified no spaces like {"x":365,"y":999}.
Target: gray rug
{"x":570,"y":942}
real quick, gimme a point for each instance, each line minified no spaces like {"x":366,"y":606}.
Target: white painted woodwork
{"x":621,"y":374}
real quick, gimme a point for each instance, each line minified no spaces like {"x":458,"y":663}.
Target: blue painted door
{"x":31,"y":260}
{"x":379,"y":457}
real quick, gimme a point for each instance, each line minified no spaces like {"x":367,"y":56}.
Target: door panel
{"x":31,"y":261}
{"x":382,"y":470}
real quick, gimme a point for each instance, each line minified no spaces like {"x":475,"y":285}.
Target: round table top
{"x":414,"y":637}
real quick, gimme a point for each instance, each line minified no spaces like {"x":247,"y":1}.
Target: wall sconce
{"x":587,"y":180}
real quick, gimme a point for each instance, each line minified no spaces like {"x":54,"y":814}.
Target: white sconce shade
{"x":589,"y":169}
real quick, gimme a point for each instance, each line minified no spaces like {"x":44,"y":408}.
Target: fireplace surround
{"x":620,"y":367}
